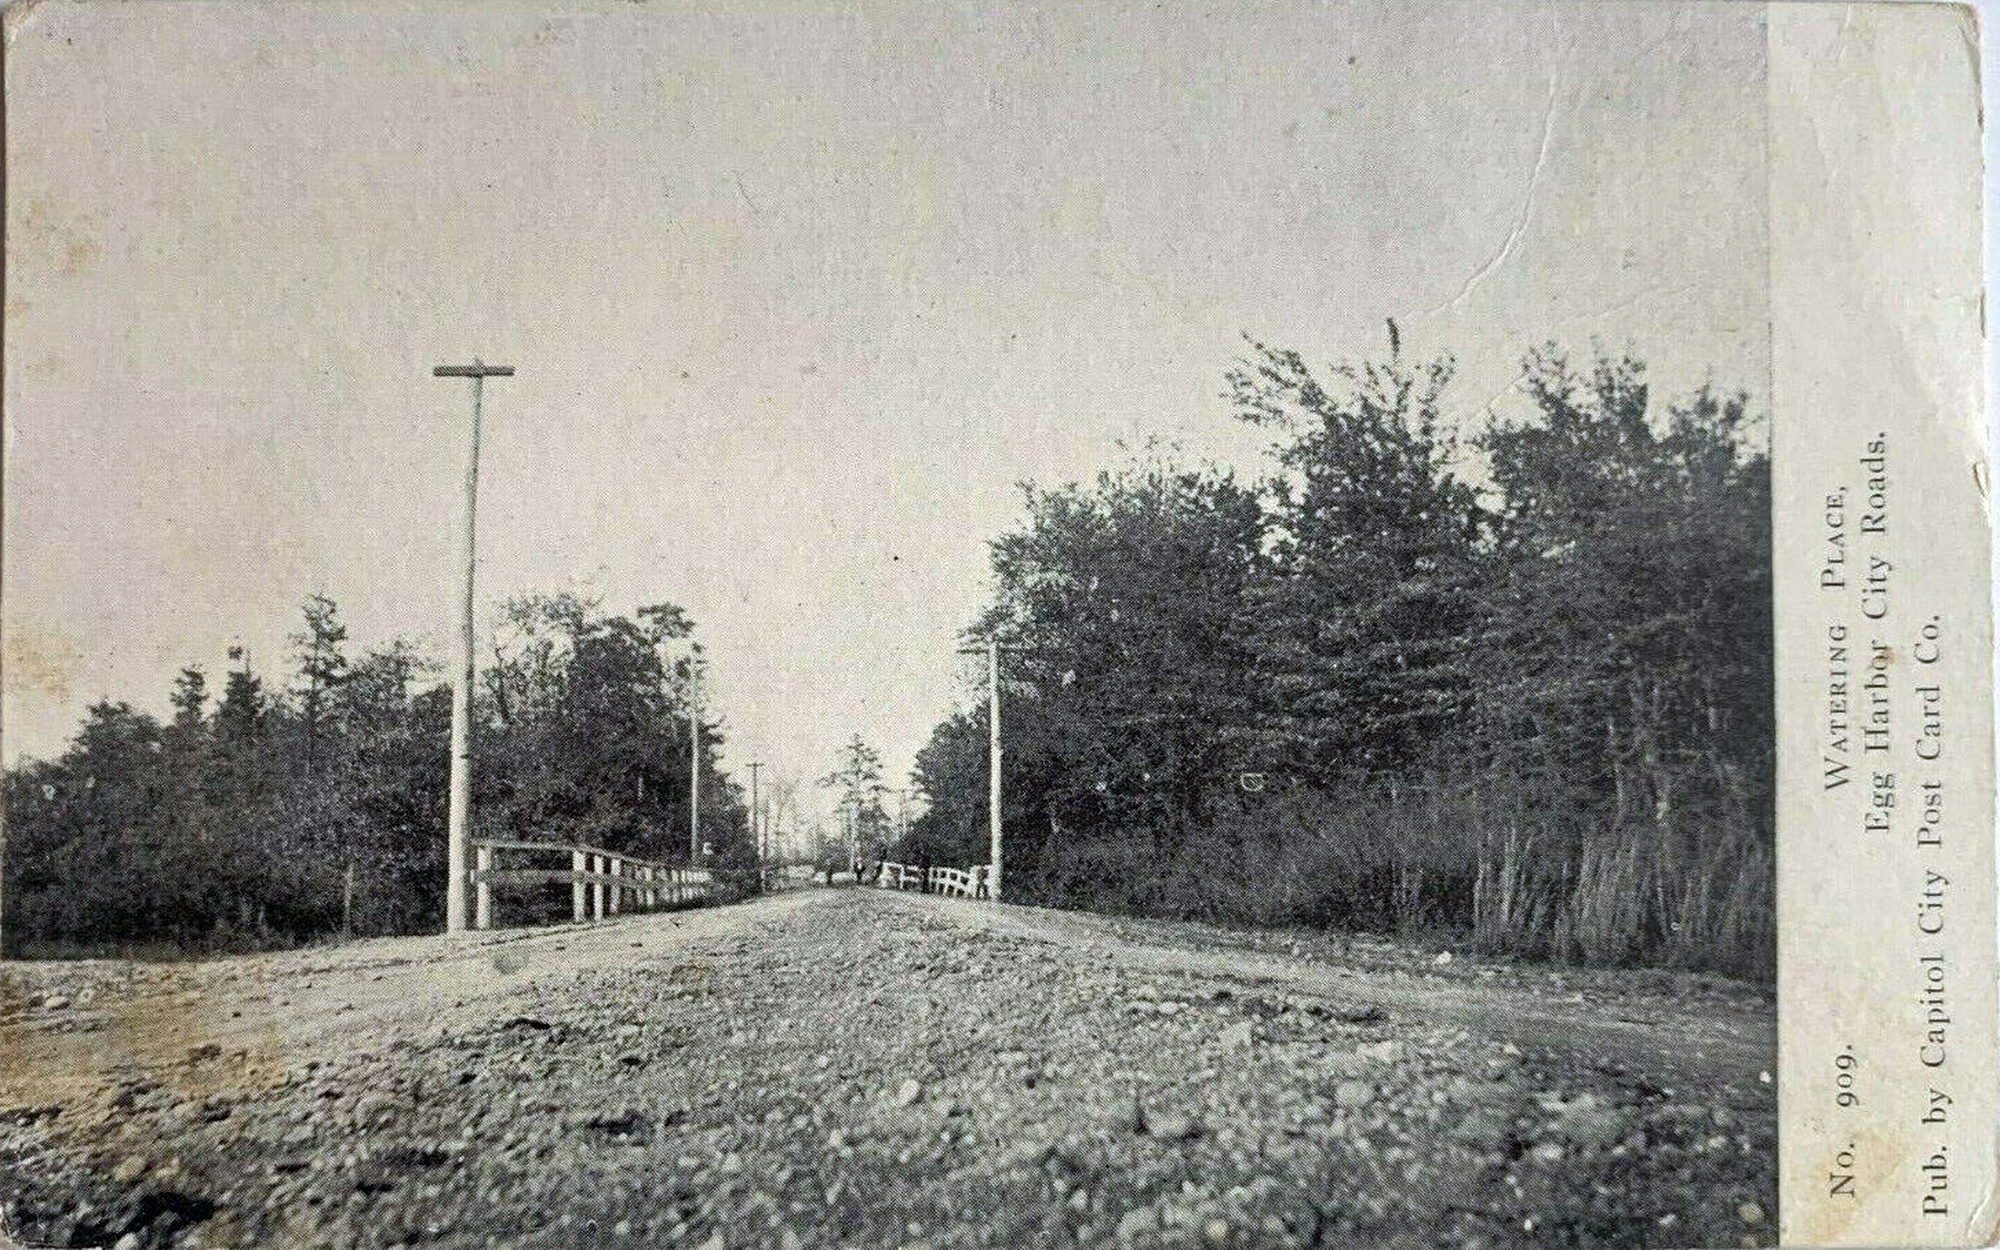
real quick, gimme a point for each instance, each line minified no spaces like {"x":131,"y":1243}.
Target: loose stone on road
{"x":858,"y":1068}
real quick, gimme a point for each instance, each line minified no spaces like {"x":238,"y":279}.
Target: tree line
{"x":312,"y":803}
{"x":1512,"y":684}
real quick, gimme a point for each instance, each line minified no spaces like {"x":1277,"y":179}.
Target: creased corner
{"x":14,"y":16}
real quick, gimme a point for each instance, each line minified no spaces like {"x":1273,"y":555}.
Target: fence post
{"x":482,"y":889}
{"x":577,"y":863}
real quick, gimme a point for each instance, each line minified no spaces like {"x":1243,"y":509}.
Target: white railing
{"x":601,"y":883}
{"x":955,"y":882}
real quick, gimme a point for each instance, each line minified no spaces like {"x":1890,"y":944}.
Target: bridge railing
{"x":601,"y":883}
{"x":957,"y":882}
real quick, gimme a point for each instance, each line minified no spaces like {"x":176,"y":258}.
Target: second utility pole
{"x":756,"y":836}
{"x":694,"y":758}
{"x":459,"y":822}
{"x":993,"y":762}
{"x":992,"y":650}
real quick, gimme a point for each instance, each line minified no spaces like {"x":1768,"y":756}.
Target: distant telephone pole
{"x":992,"y":653}
{"x":756,"y":835}
{"x":694,"y":757}
{"x":459,"y":824}
{"x":993,"y":763}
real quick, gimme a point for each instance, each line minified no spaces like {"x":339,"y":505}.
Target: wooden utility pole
{"x":993,"y":764}
{"x":993,"y":853}
{"x":694,"y":758}
{"x":756,"y":834}
{"x":459,"y":824}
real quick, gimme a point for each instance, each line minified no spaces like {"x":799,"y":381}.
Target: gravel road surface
{"x":850,"y":1067}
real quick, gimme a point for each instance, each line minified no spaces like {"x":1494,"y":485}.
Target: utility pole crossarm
{"x":473,"y":370}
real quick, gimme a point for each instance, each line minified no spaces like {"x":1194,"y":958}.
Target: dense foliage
{"x":1516,"y":686}
{"x":278,"y":815}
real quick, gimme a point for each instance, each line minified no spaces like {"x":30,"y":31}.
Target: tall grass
{"x":1502,"y":869}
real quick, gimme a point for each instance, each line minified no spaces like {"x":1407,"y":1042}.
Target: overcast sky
{"x":797,"y":293}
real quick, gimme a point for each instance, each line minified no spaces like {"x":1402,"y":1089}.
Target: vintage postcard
{"x":921,"y":624}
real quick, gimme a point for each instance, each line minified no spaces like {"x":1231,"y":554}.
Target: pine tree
{"x":322,"y":668}
{"x":190,"y":700}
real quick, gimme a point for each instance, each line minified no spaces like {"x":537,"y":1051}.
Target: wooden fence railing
{"x":601,"y":883}
{"x":957,"y":882}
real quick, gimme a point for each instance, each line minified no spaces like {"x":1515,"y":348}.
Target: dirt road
{"x":851,"y":1067}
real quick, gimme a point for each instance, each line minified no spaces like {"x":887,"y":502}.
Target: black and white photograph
{"x":905,"y":625}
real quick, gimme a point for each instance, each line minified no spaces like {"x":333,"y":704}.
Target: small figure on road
{"x":979,"y":882}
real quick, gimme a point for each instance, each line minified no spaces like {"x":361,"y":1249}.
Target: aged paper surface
{"x":964,"y":625}
{"x":1888,"y":1084}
